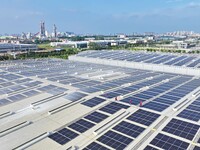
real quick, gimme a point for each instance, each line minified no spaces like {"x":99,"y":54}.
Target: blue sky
{"x":100,"y":16}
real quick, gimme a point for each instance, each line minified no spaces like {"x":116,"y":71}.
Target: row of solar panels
{"x":158,"y":98}
{"x":153,"y":58}
{"x":122,"y":134}
{"x":45,"y":69}
{"x":119,"y":136}
{"x":17,"y":90}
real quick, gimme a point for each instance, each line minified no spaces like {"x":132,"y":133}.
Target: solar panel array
{"x":122,"y":107}
{"x":153,"y":58}
{"x":192,"y":112}
{"x":168,"y":143}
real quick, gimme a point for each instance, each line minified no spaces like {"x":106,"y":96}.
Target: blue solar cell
{"x":68,"y":133}
{"x":145,"y":97}
{"x":75,"y":96}
{"x":181,"y":63}
{"x":129,"y":129}
{"x":191,"y":115}
{"x":169,"y":143}
{"x":176,"y":94}
{"x":182,"y":129}
{"x":63,"y":136}
{"x":113,"y":107}
{"x":95,"y":146}
{"x":17,"y":97}
{"x":172,"y":98}
{"x":30,"y":93}
{"x":150,"y":148}
{"x":167,"y":58}
{"x":157,"y":90}
{"x":194,"y":108}
{"x":59,"y":138}
{"x":131,"y":89}
{"x":4,"y":101}
{"x":121,"y":91}
{"x":163,"y":101}
{"x":175,"y":60}
{"x":93,"y":102}
{"x":193,"y":64}
{"x":115,"y":140}
{"x":196,"y":148}
{"x":90,"y":90}
{"x":150,"y":93}
{"x":81,"y":125}
{"x":132,"y":100}
{"x":143,"y":117}
{"x":156,"y":106}
{"x":96,"y":117}
{"x":197,"y":103}
{"x":110,"y":95}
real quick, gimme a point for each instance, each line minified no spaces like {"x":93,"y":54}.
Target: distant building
{"x":8,"y":47}
{"x":73,"y":44}
{"x":105,"y":43}
{"x":121,"y":36}
{"x":42,"y":30}
{"x":29,"y":35}
{"x":54,"y":34}
{"x":182,"y":44}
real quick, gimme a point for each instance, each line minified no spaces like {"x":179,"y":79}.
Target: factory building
{"x":7,"y":47}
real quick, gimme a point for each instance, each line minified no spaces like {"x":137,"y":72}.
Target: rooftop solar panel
{"x":143,"y":117}
{"x":113,"y":107}
{"x":169,"y":143}
{"x":47,"y":88}
{"x":145,"y":97}
{"x":81,"y":125}
{"x":75,"y":96}
{"x":90,"y":90}
{"x":148,"y":147}
{"x":110,"y":95}
{"x":115,"y":140}
{"x":155,"y":106}
{"x":16,"y":97}
{"x":95,"y":146}
{"x":6,"y":84}
{"x":96,"y":117}
{"x":194,"y":108}
{"x":182,"y":129}
{"x":196,"y":103}
{"x":59,"y":138}
{"x":131,"y":100}
{"x":63,"y":136}
{"x":163,"y":101}
{"x":191,"y":115}
{"x":30,"y":93}
{"x":4,"y":102}
{"x":129,"y":129}
{"x":93,"y":102}
{"x":196,"y":148}
{"x":193,"y":64}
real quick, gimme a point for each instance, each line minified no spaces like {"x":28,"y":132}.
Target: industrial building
{"x":101,"y":100}
{"x":85,"y":44}
{"x":73,"y":44}
{"x":7,"y":47}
